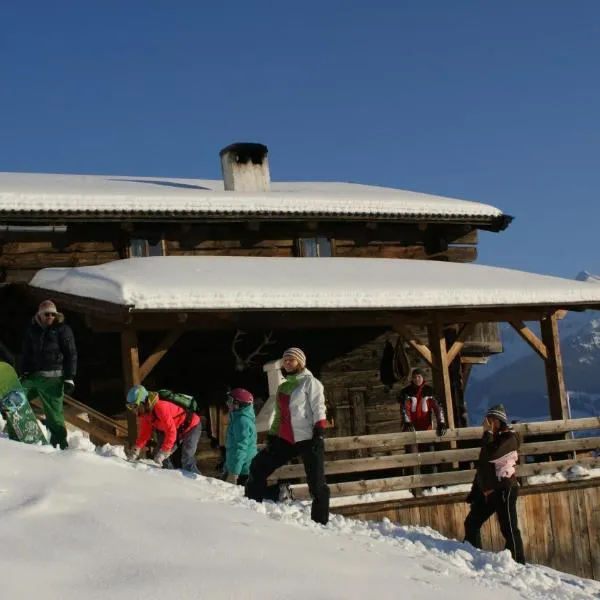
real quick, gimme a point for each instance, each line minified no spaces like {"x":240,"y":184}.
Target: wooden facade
{"x":560,"y":523}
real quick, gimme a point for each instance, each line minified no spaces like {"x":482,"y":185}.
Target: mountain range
{"x":516,"y":377}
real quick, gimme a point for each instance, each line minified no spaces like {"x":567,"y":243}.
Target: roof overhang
{"x":46,"y":198}
{"x":215,"y":292}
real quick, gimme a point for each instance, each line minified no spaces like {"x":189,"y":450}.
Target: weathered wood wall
{"x":560,"y":523}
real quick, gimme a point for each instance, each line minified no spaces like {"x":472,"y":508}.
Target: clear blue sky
{"x":491,"y":101}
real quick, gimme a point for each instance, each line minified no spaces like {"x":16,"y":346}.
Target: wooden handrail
{"x":393,"y":484}
{"x":73,"y":409}
{"x":390,"y":441}
{"x":376,"y":463}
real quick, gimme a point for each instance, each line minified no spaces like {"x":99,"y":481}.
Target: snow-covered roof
{"x":30,"y":195}
{"x":259,"y":283}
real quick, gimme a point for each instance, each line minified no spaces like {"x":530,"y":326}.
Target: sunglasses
{"x":50,"y":314}
{"x":133,"y":407}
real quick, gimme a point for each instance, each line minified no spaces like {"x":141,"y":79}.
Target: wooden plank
{"x":461,"y":254}
{"x":390,"y":484}
{"x":579,"y":531}
{"x":557,"y":391}
{"x":465,"y":331}
{"x":592,"y":515}
{"x":378,"y":463}
{"x":72,"y":416}
{"x":157,"y":354}
{"x":560,"y":446}
{"x":41,"y":260}
{"x":131,"y":374}
{"x":562,"y":551}
{"x":532,"y":340}
{"x":397,"y":440}
{"x":410,"y":338}
{"x":441,"y":375}
{"x":81,"y":407}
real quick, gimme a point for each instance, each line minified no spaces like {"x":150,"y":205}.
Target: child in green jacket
{"x":241,"y":435}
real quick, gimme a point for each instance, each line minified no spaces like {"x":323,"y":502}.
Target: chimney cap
{"x":246,"y":152}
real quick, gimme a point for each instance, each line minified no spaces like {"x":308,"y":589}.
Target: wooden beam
{"x":465,"y":331}
{"x":157,"y":354}
{"x":131,"y":375}
{"x":440,"y":372}
{"x":557,"y":392}
{"x":530,"y":337}
{"x":474,"y":360}
{"x":409,"y":336}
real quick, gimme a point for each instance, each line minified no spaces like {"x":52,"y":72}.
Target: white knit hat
{"x":46,"y":306}
{"x":297,"y":354}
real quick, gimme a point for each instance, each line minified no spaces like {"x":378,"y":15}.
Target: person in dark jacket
{"x":49,"y":366}
{"x":495,"y":488}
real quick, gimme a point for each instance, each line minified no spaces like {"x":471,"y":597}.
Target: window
{"x":319,"y":246}
{"x":145,"y":247}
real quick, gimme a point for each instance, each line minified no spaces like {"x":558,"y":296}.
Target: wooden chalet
{"x":221,"y":280}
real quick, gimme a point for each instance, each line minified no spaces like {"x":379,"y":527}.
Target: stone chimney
{"x":245,"y":167}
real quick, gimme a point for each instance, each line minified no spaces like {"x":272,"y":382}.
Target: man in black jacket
{"x":49,"y":365}
{"x":495,"y":488}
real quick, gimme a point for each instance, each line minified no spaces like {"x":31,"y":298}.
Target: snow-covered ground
{"x":86,"y":524}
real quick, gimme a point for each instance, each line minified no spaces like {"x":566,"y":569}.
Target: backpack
{"x":184,"y":401}
{"x":394,"y":365}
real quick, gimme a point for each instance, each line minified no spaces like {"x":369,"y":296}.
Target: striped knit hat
{"x":297,"y":354}
{"x":498,"y":412}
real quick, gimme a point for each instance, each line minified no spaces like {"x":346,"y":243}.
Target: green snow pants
{"x":50,"y":391}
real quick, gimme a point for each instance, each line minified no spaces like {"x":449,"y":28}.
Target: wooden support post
{"x":131,"y":374}
{"x":557,"y":392}
{"x":414,"y":341}
{"x":440,"y":372}
{"x":161,"y":349}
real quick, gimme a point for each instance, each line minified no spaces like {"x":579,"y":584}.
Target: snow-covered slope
{"x":77,"y":525}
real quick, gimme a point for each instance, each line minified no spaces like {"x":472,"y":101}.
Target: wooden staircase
{"x":102,"y":429}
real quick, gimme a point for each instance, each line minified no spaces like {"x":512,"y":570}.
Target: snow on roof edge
{"x":213,"y":283}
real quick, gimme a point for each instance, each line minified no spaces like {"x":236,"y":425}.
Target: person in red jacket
{"x":174,"y":426}
{"x":418,"y":406}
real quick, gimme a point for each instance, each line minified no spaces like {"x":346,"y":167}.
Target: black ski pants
{"x":277,"y":453}
{"x":504,"y":504}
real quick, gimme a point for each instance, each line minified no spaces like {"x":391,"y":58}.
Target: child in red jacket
{"x":174,"y":426}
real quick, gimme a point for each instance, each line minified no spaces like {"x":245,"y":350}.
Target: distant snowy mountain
{"x":516,"y":377}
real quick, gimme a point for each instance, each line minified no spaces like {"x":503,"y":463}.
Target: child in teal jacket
{"x":241,"y":435}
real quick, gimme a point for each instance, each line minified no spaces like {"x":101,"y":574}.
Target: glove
{"x":68,"y":386}
{"x":318,"y":433}
{"x":132,"y":454}
{"x":408,"y":427}
{"x":441,"y":429}
{"x":231,"y":478}
{"x":161,"y":456}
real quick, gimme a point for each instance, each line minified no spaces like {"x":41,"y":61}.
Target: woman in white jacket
{"x":298,"y":429}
